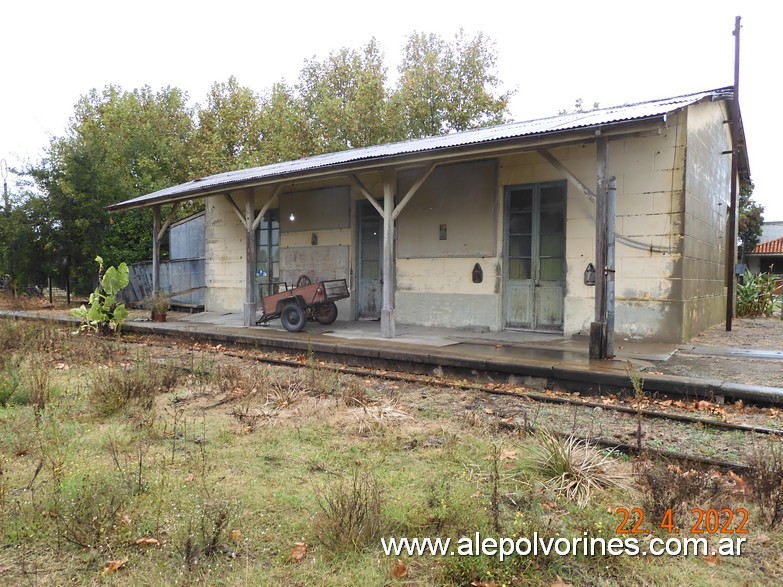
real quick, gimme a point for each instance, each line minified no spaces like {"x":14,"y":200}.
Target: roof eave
{"x":487,"y":148}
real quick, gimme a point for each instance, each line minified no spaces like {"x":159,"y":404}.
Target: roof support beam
{"x":571,"y":177}
{"x":360,"y":186}
{"x":238,"y":212}
{"x":260,"y":216}
{"x":414,"y":188}
{"x":168,"y":221}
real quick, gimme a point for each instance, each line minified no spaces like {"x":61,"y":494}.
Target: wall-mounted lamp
{"x":292,"y":217}
{"x":478,"y":273}
{"x":590,"y":274}
{"x":314,"y":239}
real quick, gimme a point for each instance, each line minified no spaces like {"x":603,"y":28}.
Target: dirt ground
{"x":763,"y":334}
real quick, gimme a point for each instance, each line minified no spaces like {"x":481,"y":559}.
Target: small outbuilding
{"x":493,"y":228}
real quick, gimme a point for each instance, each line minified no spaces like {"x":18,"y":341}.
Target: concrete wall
{"x":434,"y":274}
{"x":707,"y":195}
{"x":670,"y":219}
{"x":225,"y":256}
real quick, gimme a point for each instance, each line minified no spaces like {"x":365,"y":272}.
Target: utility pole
{"x":4,"y":174}
{"x":731,"y":245}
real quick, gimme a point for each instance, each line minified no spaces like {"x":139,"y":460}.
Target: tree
{"x":445,"y":87}
{"x":118,"y":145}
{"x":344,"y":99}
{"x":229,"y":131}
{"x":750,"y":221}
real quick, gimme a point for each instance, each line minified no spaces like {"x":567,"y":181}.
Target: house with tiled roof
{"x":767,"y":257}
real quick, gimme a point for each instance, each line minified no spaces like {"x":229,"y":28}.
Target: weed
{"x":9,"y":380}
{"x":665,"y":486}
{"x":766,"y":482}
{"x":286,"y":393}
{"x":113,"y":389}
{"x":637,"y":382}
{"x":351,"y":512}
{"x":575,"y":468}
{"x":87,"y":513}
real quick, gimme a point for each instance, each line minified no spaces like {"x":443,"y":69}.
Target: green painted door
{"x":535,"y":256}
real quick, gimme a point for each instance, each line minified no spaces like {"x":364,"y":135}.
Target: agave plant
{"x":574,"y":468}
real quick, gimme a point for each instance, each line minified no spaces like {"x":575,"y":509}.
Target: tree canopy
{"x":120,"y":144}
{"x":750,"y":221}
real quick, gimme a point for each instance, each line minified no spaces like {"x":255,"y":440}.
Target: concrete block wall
{"x":225,"y":257}
{"x":706,"y":198}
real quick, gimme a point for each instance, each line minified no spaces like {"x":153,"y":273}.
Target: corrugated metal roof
{"x":486,"y":135}
{"x":774,"y":247}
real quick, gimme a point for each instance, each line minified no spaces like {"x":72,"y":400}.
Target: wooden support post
{"x":249,"y":313}
{"x":155,"y":249}
{"x":388,"y":327}
{"x":597,"y":330}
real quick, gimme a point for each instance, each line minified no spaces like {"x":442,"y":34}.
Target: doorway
{"x":535,"y":256}
{"x":370,"y":270}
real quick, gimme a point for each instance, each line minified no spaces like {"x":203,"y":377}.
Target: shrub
{"x":766,"y":482}
{"x":351,"y":512}
{"x":666,"y":486}
{"x":756,"y":294}
{"x":574,"y":468}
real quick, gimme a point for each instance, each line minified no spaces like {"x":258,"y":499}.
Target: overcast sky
{"x":551,"y":53}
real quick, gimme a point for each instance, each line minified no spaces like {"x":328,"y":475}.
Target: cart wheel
{"x":326,"y":313}
{"x":303,"y":281}
{"x":293,"y":318}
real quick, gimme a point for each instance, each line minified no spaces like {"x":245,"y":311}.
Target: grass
{"x":221,"y":473}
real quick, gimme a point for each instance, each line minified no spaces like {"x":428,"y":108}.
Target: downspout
{"x":611,"y":214}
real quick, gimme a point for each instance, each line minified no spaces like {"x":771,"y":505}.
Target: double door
{"x":535,"y":256}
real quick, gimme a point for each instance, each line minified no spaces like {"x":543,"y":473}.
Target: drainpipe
{"x":611,"y":215}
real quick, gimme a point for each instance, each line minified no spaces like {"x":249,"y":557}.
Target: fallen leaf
{"x":114,"y":565}
{"x":559,"y":583}
{"x":399,"y":570}
{"x":298,"y":552}
{"x":191,"y":477}
{"x":739,"y":481}
{"x":125,"y":519}
{"x":235,"y":535}
{"x":485,"y":584}
{"x":712,"y":558}
{"x":147,"y":542}
{"x":489,"y":411}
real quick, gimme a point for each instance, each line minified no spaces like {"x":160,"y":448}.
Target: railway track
{"x":512,"y":401}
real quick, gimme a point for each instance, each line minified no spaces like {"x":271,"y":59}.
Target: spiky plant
{"x":574,"y":468}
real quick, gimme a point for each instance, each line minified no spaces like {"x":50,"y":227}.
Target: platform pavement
{"x":532,"y":359}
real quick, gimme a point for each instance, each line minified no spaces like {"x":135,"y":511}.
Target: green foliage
{"x":120,"y":144}
{"x":756,"y":294}
{"x":105,"y":314}
{"x":446,"y":87}
{"x":750,"y":222}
